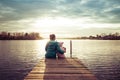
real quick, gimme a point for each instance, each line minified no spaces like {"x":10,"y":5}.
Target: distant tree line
{"x":19,"y":36}
{"x":103,"y":36}
{"x":36,"y":36}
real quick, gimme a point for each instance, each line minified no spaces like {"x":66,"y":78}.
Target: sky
{"x":65,"y":18}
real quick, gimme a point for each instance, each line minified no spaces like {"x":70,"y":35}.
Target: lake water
{"x":102,"y":57}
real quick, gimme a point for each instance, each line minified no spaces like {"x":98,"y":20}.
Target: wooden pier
{"x":60,"y":69}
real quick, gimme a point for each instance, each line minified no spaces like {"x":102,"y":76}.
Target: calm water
{"x":102,"y":57}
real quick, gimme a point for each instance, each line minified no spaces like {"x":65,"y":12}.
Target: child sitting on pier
{"x":61,"y":56}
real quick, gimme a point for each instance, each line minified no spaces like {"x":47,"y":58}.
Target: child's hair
{"x":61,"y":44}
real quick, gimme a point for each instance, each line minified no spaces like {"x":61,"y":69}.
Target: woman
{"x":53,"y":47}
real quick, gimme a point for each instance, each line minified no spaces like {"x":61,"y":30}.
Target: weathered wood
{"x":60,"y":69}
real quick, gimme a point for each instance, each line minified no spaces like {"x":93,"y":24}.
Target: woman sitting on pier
{"x":53,"y":47}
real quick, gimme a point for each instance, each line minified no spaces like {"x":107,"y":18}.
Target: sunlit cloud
{"x":59,"y":22}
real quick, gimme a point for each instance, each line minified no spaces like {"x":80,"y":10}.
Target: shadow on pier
{"x":60,"y":69}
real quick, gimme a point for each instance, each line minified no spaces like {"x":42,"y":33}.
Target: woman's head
{"x":52,"y":37}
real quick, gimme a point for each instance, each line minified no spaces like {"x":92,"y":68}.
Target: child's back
{"x":63,"y":48}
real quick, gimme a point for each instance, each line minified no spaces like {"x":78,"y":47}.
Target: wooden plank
{"x":61,"y":76}
{"x":60,"y":65}
{"x":60,"y":69}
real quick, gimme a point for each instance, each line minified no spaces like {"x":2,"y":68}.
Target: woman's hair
{"x":52,"y":37}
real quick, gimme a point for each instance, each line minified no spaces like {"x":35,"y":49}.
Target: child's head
{"x":61,"y":44}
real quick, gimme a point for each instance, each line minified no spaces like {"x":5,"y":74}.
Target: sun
{"x":52,"y":22}
{"x":48,"y":25}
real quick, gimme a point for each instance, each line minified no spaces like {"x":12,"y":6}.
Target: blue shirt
{"x":52,"y":47}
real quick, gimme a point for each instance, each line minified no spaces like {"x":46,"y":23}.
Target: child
{"x":61,"y":56}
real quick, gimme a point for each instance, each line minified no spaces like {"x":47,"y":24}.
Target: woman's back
{"x":52,"y":48}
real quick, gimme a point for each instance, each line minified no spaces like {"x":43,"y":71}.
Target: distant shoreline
{"x":37,"y":36}
{"x":58,"y":39}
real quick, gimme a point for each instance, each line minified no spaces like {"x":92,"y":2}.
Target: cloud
{"x":26,"y":8}
{"x":104,"y":11}
{"x":15,"y":14}
{"x":94,"y":9}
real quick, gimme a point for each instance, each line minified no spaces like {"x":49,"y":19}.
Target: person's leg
{"x":60,"y":56}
